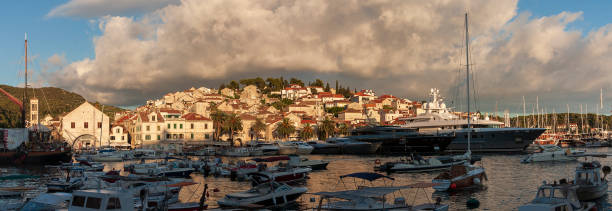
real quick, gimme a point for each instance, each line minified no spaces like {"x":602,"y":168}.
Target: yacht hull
{"x":326,"y":150}
{"x":495,"y":139}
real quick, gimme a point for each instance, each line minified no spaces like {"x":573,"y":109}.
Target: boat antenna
{"x":467,"y":60}
{"x":25,"y":87}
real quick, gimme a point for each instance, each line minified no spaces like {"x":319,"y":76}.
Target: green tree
{"x":296,"y":81}
{"x":327,"y":89}
{"x":307,"y":132}
{"x":284,"y":129}
{"x":282,"y":104}
{"x":335,"y":110}
{"x":218,"y":118}
{"x":317,"y":82}
{"x":258,"y":127}
{"x":343,"y":129}
{"x":232,"y":124}
{"x":327,"y":127}
{"x":233,"y":85}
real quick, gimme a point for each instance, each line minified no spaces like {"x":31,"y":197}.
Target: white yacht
{"x":552,"y":197}
{"x":487,"y":135}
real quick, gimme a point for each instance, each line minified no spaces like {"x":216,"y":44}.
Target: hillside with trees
{"x":51,"y":100}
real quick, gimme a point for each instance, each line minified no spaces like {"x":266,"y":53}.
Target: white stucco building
{"x":87,"y":122}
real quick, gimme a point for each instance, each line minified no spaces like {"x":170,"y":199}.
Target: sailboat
{"x":22,"y":146}
{"x":462,"y":175}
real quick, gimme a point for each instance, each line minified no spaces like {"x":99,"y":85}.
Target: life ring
{"x":377,"y":161}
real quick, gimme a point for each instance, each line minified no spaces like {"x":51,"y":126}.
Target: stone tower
{"x":33,"y":111}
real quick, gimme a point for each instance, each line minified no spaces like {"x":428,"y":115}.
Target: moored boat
{"x":270,"y":194}
{"x":554,"y":197}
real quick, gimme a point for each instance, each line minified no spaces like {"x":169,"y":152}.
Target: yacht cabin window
{"x":78,"y":201}
{"x":113,"y":204}
{"x":93,"y":202}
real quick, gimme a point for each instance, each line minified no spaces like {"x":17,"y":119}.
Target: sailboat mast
{"x":524,"y":113}
{"x":467,"y":62}
{"x":568,"y":122}
{"x":25,"y":87}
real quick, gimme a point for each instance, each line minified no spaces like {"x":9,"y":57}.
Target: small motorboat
{"x":267,"y":148}
{"x":324,"y":148}
{"x":350,"y":146}
{"x":418,"y":164}
{"x":49,"y":201}
{"x":552,"y":153}
{"x":280,"y":174}
{"x":272,"y":194}
{"x":236,"y":152}
{"x":373,"y":197}
{"x":553,"y":197}
{"x":459,"y":177}
{"x":299,"y":162}
{"x":73,"y":179}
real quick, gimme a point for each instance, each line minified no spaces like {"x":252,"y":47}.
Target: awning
{"x":367,"y":176}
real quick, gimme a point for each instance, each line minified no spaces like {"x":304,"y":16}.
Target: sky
{"x":125,"y":52}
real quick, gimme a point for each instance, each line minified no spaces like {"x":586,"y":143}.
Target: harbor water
{"x":510,"y":183}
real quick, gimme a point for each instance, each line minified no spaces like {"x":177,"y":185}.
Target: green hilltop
{"x":51,"y":100}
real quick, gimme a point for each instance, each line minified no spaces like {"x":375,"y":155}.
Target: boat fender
{"x":472,"y":203}
{"x":453,"y":186}
{"x":477,"y":181}
{"x":377,"y":161}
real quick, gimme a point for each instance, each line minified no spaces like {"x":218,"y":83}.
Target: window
{"x":34,"y":107}
{"x":191,"y":125}
{"x":181,"y":126}
{"x":148,"y":137}
{"x":192,"y":136}
{"x":168,"y":126}
{"x":206,"y":136}
{"x":86,"y":124}
{"x":117,"y":130}
{"x":158,"y":128}
{"x":153,"y":118}
{"x":148,"y":128}
{"x":99,"y":124}
{"x":167,"y":136}
{"x":78,"y":201}
{"x":93,"y":202}
{"x":205,"y":126}
{"x":112,"y":138}
{"x":113,"y":204}
{"x":174,"y":126}
{"x":122,"y":138}
{"x":158,"y":137}
{"x":181,"y":136}
{"x":34,"y":116}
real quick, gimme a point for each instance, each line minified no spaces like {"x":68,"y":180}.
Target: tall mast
{"x":467,"y":62}
{"x":568,"y":122}
{"x":524,"y":114}
{"x":538,"y":111}
{"x":25,"y":87}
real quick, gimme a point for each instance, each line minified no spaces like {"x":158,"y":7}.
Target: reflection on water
{"x":510,"y":183}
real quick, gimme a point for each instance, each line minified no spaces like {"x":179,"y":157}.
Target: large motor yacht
{"x":487,"y":135}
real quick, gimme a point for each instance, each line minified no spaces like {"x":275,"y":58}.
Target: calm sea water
{"x":510,"y":183}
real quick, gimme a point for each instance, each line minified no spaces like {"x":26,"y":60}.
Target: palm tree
{"x":327,"y":127}
{"x":218,"y":118}
{"x":284,"y":129}
{"x":343,"y":129}
{"x":232,"y":124}
{"x":258,"y":127}
{"x":307,"y":132}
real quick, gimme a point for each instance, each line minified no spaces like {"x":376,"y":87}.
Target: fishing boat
{"x":554,"y":197}
{"x":263,"y":195}
{"x":591,"y":185}
{"x":552,"y":153}
{"x":418,"y":164}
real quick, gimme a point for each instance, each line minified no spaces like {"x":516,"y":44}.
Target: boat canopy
{"x":367,"y":176}
{"x":371,"y":192}
{"x":271,"y":159}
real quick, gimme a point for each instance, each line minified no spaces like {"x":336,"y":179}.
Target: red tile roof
{"x":169,"y":110}
{"x":195,"y":117}
{"x":308,"y":121}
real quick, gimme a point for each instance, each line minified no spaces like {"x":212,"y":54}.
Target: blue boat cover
{"x":367,"y":176}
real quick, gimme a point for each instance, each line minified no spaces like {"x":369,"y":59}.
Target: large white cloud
{"x":403,"y":47}
{"x":97,"y":8}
